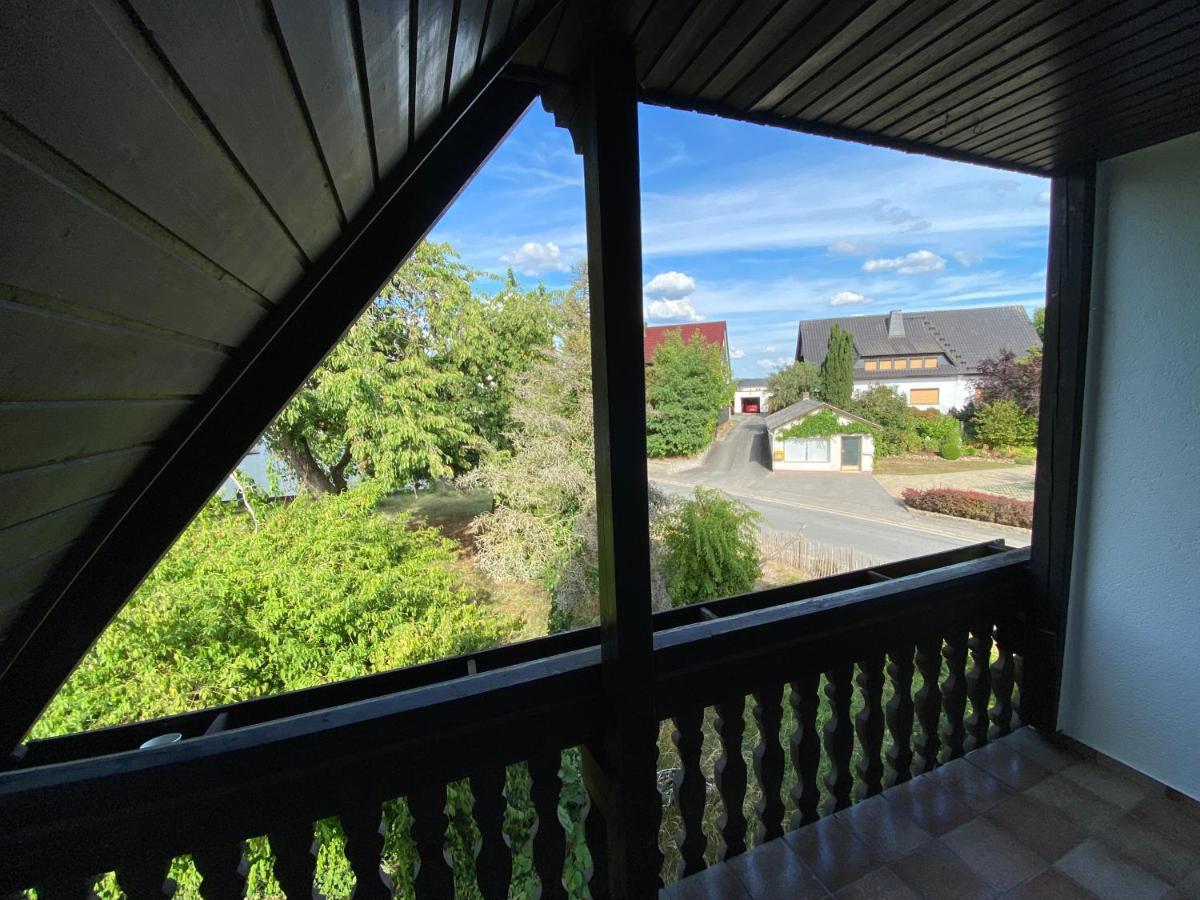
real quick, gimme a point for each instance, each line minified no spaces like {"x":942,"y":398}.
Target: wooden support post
{"x":602,"y":116}
{"x":1060,"y":424}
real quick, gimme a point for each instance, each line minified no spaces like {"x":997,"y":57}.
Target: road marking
{"x":812,"y":507}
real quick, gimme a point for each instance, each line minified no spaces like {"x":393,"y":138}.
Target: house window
{"x":931,"y":363}
{"x":870,"y":365}
{"x":924,"y":396}
{"x":902,"y":364}
{"x":806,"y":450}
{"x":885,"y":364}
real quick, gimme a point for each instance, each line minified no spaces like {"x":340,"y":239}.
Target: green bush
{"x":1003,"y":424}
{"x":686,"y":388}
{"x":970,"y":451}
{"x":934,"y":428}
{"x":711,"y":546}
{"x":888,"y":409}
{"x":950,"y":447}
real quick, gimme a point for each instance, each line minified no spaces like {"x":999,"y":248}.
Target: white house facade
{"x":831,"y":453}
{"x":751,"y":396}
{"x":931,"y":358}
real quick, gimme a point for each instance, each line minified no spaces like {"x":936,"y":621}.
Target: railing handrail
{"x":260,"y":710}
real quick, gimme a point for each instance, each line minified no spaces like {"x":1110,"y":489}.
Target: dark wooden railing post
{"x":601,"y":113}
{"x":1060,"y":425}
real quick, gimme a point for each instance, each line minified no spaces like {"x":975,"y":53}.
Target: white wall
{"x":955,"y":391}
{"x":1133,"y":638}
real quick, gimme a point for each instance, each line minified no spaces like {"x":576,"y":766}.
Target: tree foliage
{"x":687,"y":386}
{"x":886,"y":407}
{"x":789,"y":385}
{"x":1009,"y":377}
{"x":711,"y":548}
{"x":1004,"y":424}
{"x":837,"y":372}
{"x":1039,"y":321}
{"x":322,"y":590}
{"x":422,"y":385}
{"x":822,"y":423}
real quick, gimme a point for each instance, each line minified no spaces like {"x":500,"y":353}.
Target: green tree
{"x":887,"y":408}
{"x":687,"y":386}
{"x":1039,"y":321}
{"x":789,"y":385}
{"x":711,"y":548}
{"x":422,"y":385}
{"x":1003,"y":423}
{"x":837,"y":372}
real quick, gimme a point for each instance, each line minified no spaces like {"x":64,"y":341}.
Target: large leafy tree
{"x":1009,"y":377}
{"x":885,"y":407}
{"x":789,"y":385}
{"x":687,"y":386}
{"x":422,"y":385}
{"x":837,"y":372}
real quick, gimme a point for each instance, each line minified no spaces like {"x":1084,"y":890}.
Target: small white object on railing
{"x":171,"y":737}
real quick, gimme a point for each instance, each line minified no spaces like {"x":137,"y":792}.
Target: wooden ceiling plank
{"x":1059,"y":112}
{"x":660,"y":29}
{"x":68,"y":247}
{"x":500,"y":15}
{"x":984,"y":33}
{"x":693,"y":36}
{"x":1178,"y":122}
{"x":722,"y":46}
{"x":40,"y":432}
{"x":30,"y":493}
{"x":815,"y":33}
{"x":42,"y":534}
{"x":124,"y":121}
{"x":49,"y":356}
{"x":994,"y":92}
{"x":18,"y":583}
{"x":1050,"y":36}
{"x":1141,"y":68}
{"x":227,"y":56}
{"x":434,"y":20}
{"x":472,"y":20}
{"x":385,"y":42}
{"x":320,"y":39}
{"x":779,"y":28}
{"x":838,"y":70}
{"x":532,"y":54}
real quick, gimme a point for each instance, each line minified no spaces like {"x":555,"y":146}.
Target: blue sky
{"x":764,"y":227}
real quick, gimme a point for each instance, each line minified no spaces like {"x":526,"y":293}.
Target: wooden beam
{"x":607,"y":131}
{"x":46,"y":644}
{"x":1060,"y":426}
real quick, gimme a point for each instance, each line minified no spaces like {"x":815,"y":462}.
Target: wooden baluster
{"x":222,"y":871}
{"x":979,"y":684}
{"x":954,"y":695}
{"x":805,"y":744}
{"x":549,"y":841}
{"x":146,"y":880}
{"x":730,"y":775}
{"x":899,"y":715}
{"x":493,"y":857}
{"x":595,"y":830}
{"x":1003,"y":681}
{"x":434,"y":878}
{"x":768,"y":762}
{"x":364,"y":830}
{"x":839,"y":737}
{"x":928,"y":703}
{"x":691,"y":789}
{"x":295,"y":850}
{"x":868,"y":725}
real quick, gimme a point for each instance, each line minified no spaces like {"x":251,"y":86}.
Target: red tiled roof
{"x":713,"y":332}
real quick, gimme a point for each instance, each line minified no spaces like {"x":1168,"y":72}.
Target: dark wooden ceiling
{"x":173,"y":176}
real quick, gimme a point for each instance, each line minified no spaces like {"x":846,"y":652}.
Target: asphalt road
{"x":850,"y":510}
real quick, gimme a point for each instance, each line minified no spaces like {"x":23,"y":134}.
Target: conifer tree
{"x":837,"y":372}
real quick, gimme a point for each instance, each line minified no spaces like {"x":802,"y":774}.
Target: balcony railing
{"x":925,"y":653}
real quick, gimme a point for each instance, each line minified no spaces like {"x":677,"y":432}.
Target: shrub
{"x":972,"y":505}
{"x":711,"y":544}
{"x":950,"y":448}
{"x":1003,"y":424}
{"x":970,"y":451}
{"x":934,"y":428}
{"x":885,"y":407}
{"x":686,"y":388}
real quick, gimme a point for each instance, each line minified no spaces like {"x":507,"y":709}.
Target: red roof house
{"x":713,"y":333}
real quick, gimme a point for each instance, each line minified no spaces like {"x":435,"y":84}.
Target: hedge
{"x":972,"y":505}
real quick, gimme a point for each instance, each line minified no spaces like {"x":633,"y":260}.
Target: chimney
{"x":895,"y":324}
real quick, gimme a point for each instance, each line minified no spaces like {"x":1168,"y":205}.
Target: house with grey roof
{"x":931,"y":358}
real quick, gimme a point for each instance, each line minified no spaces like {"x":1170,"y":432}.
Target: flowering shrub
{"x":972,"y":505}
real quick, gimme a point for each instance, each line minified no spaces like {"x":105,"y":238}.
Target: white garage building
{"x":836,"y":452}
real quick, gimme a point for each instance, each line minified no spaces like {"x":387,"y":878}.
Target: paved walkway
{"x":1012,"y":482}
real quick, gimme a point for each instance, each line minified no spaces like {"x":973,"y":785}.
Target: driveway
{"x":848,"y":510}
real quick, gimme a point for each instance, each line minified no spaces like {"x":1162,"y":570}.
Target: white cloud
{"x":967,"y":259}
{"x":840,"y":246}
{"x":910,"y":264}
{"x":848,"y":298}
{"x":771,"y":349}
{"x":890,"y":213}
{"x":736,"y":352}
{"x":534,"y":258}
{"x":661,"y":310}
{"x":780,"y":362}
{"x":670,"y":286}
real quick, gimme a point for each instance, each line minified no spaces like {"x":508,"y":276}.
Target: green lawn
{"x":931,"y":464}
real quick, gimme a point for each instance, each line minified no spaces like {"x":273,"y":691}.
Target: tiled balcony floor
{"x":1019,"y":818}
